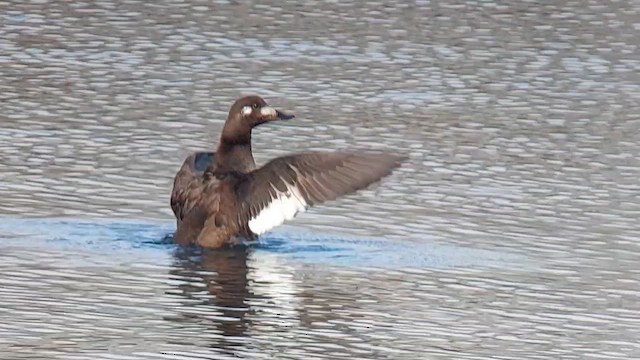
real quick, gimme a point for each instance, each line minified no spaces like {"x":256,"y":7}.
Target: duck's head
{"x":252,"y":111}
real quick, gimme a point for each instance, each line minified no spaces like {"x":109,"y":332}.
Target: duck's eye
{"x":254,"y":106}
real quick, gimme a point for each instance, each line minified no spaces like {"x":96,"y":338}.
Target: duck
{"x":222,"y":198}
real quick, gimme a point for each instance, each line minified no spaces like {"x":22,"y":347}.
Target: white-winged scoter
{"x":222,"y":196}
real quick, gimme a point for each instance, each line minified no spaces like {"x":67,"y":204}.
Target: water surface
{"x":511,"y":232}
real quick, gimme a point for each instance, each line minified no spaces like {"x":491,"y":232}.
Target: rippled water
{"x":510,"y":233}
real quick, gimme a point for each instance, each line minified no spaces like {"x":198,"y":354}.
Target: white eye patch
{"x":246,"y":110}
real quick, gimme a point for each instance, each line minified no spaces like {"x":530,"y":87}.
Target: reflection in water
{"x":144,"y":300}
{"x":223,"y":275}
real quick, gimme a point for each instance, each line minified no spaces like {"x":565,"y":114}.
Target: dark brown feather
{"x":319,"y":177}
{"x":190,"y":200}
{"x":215,"y":196}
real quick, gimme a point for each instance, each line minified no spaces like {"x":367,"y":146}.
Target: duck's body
{"x":219,"y":197}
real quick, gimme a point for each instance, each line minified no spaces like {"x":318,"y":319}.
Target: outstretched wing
{"x":290,"y":184}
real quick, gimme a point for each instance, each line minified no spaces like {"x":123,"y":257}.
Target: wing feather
{"x":290,"y":184}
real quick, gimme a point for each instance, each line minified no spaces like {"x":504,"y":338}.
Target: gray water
{"x":510,"y":233}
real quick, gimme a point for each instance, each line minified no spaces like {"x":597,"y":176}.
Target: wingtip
{"x":394,"y":160}
{"x":400,"y":158}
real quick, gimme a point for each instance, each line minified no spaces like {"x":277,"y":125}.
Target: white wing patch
{"x":285,"y":206}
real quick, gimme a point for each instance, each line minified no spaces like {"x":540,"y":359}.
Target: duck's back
{"x":189,"y":178}
{"x":193,"y":197}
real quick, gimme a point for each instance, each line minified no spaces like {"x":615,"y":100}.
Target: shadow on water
{"x":377,"y":253}
{"x":331,"y":250}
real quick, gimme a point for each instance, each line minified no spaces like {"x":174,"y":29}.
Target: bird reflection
{"x":224,"y":275}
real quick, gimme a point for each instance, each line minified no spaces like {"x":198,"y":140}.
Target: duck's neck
{"x":234,"y":151}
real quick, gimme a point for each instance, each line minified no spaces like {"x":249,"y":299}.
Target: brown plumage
{"x":219,"y":197}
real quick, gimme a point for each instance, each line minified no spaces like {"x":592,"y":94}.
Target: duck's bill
{"x":268,"y":113}
{"x":284,"y":116}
